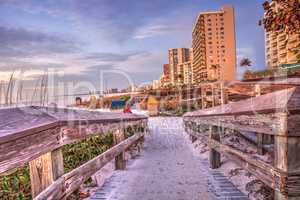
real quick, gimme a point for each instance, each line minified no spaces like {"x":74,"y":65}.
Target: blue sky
{"x":81,"y":38}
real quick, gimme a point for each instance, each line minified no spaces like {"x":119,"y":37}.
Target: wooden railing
{"x":275,"y":119}
{"x":36,"y":135}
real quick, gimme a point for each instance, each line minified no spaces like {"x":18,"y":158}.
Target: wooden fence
{"x":275,"y":119}
{"x":36,"y":135}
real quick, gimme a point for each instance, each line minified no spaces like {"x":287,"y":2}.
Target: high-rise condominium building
{"x":214,"y":46}
{"x":185,"y":73}
{"x":281,"y":48}
{"x":176,"y":57}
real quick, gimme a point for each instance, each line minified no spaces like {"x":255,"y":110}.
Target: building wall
{"x":167,"y":74}
{"x":188,"y":73}
{"x":176,"y":57}
{"x":281,"y":48}
{"x":214,"y":46}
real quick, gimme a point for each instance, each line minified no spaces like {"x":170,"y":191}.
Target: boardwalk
{"x":167,"y":169}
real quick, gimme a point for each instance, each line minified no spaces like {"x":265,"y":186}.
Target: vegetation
{"x":245,"y":62}
{"x":285,"y":18}
{"x":271,"y":73}
{"x":16,"y":186}
{"x":78,"y":153}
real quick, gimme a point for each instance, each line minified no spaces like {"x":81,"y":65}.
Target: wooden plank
{"x":57,"y":163}
{"x":23,"y":121}
{"x":68,"y":183}
{"x":260,"y":144}
{"x":274,"y":102}
{"x":41,"y":175}
{"x":264,"y":123}
{"x":18,"y":152}
{"x":120,"y":162}
{"x":214,"y":156}
{"x":44,"y":170}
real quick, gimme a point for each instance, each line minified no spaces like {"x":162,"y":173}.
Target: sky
{"x":121,"y":40}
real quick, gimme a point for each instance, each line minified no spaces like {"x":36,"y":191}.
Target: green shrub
{"x":16,"y":186}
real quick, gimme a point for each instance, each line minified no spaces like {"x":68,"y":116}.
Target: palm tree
{"x":245,"y":62}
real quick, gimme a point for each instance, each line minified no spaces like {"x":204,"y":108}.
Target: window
{"x":209,"y":29}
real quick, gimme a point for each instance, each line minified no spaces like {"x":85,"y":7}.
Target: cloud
{"x":19,"y":42}
{"x":146,"y":62}
{"x":152,"y":31}
{"x":108,"y":56}
{"x":172,"y":25}
{"x":116,"y":20}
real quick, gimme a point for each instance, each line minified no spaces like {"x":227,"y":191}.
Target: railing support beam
{"x":286,"y":150}
{"x":44,"y":170}
{"x":214,"y":156}
{"x":120,"y":162}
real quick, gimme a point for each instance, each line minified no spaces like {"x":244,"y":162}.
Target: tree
{"x":285,"y":17}
{"x":245,"y":62}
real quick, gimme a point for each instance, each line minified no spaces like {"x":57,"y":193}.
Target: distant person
{"x":93,"y":102}
{"x":127,"y":109}
{"x":78,"y":101}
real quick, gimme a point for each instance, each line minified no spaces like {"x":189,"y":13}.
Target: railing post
{"x":214,"y":156}
{"x":287,"y":157}
{"x":120,"y":162}
{"x":57,"y":163}
{"x":260,"y":143}
{"x":44,"y":170}
{"x":261,"y":138}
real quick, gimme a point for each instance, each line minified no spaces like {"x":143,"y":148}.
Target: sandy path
{"x":168,"y":169}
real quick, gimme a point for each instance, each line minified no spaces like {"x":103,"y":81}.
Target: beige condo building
{"x":177,"y":57}
{"x":214,"y":46}
{"x":281,"y":48}
{"x":185,"y":73}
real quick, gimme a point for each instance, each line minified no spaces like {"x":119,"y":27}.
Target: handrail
{"x":68,"y":183}
{"x":274,"y":117}
{"x":35,"y":135}
{"x":272,"y":102}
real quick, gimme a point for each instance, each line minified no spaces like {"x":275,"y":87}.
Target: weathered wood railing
{"x":274,"y":117}
{"x":36,"y":135}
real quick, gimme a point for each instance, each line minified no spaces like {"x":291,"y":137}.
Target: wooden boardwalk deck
{"x":168,"y":169}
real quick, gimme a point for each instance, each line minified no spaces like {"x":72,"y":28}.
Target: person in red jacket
{"x":127,"y":109}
